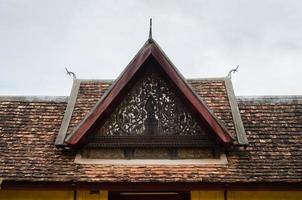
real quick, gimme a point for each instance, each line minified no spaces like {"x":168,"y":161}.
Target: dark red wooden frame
{"x":116,"y":195}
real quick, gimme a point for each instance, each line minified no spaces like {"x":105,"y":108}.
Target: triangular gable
{"x":150,"y":49}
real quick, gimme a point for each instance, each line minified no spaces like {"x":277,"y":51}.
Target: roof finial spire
{"x":150,"y":29}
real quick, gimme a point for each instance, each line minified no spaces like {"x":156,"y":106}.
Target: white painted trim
{"x":271,"y":99}
{"x":221,"y":161}
{"x":34,"y":98}
{"x":240,"y":130}
{"x":68,"y":113}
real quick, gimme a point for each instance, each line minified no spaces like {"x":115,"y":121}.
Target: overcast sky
{"x":97,"y":39}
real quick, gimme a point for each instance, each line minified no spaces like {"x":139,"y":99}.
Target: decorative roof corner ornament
{"x":232,"y":71}
{"x":150,"y":30}
{"x":70,"y":73}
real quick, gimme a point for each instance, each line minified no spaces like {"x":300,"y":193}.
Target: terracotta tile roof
{"x":212,"y":91}
{"x":88,"y":95}
{"x":274,"y":129}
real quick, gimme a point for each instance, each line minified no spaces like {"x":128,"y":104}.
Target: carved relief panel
{"x":151,"y":108}
{"x":150,"y":122}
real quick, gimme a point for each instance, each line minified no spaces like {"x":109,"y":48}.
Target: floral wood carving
{"x":151,"y":108}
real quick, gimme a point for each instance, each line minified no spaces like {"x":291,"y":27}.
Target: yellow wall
{"x":265,"y":195}
{"x":35,"y":195}
{"x":247,"y":195}
{"x":51,"y":195}
{"x":87,"y":195}
{"x":207,"y":195}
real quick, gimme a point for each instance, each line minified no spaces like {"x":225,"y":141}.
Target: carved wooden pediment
{"x":152,"y":104}
{"x":151,"y":120}
{"x":151,"y":107}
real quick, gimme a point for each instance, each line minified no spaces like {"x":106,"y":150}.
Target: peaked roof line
{"x":148,"y":49}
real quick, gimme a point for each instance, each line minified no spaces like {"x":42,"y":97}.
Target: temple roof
{"x":29,"y":126}
{"x":261,"y":137}
{"x":215,"y":93}
{"x":150,"y":52}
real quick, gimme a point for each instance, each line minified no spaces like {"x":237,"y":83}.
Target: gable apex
{"x":150,"y":49}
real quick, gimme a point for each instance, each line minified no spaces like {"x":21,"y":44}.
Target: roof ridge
{"x":272,"y":98}
{"x":222,"y":78}
{"x":34,"y":98}
{"x":96,"y":80}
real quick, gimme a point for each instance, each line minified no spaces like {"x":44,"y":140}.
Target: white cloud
{"x":97,"y":39}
